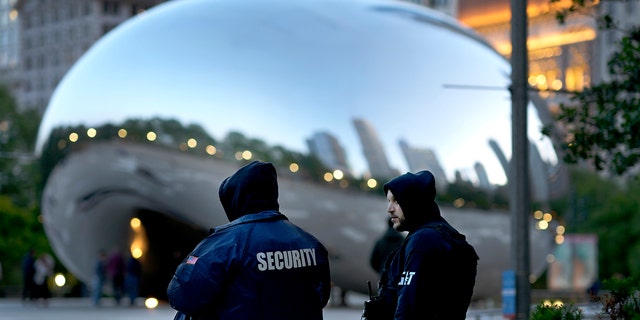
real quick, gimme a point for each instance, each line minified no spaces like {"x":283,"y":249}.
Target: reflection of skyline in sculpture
{"x":246,"y":95}
{"x":327,"y":148}
{"x":373,"y":150}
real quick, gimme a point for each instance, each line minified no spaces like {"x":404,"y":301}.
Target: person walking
{"x":432,"y":274}
{"x":260,"y":265}
{"x":28,"y":271}
{"x":99,"y":277}
{"x":43,"y":270}
{"x":132,"y":279}
{"x":115,"y":272}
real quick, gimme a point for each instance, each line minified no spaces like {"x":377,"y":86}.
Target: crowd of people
{"x":123,"y":277}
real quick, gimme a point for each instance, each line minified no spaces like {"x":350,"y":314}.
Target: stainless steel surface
{"x":268,"y":77}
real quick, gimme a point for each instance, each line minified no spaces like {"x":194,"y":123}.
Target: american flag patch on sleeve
{"x":192,"y":260}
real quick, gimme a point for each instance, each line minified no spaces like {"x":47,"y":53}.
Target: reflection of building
{"x":539,"y":175}
{"x":326,"y":147}
{"x":483,"y":179}
{"x":373,"y":150}
{"x":421,"y":159}
{"x":501,"y":157}
{"x":54,"y":34}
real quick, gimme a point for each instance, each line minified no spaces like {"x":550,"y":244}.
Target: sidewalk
{"x":82,"y":309}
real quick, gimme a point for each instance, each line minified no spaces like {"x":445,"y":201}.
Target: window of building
{"x":110,"y":7}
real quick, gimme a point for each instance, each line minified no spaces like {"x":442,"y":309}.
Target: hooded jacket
{"x":432,"y":274}
{"x":259,"y":265}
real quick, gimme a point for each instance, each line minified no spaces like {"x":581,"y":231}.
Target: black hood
{"x":416,"y":194}
{"x":252,"y":189}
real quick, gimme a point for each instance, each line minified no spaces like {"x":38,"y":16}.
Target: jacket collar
{"x":249,"y":218}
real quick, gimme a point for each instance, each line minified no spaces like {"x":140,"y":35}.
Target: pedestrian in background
{"x":43,"y":270}
{"x":99,"y":277}
{"x":132,"y":279}
{"x":258,"y":266}
{"x":432,"y":274}
{"x":28,"y":270}
{"x":389,"y":241}
{"x":115,"y":272}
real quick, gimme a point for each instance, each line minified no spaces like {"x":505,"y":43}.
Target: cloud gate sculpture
{"x":340,"y":95}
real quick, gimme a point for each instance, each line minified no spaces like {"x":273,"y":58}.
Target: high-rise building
{"x":53,"y":36}
{"x":9,"y":43}
{"x":373,"y":150}
{"x":328,"y":150}
{"x":424,"y":159}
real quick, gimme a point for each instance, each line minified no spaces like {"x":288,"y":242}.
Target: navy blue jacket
{"x":258,"y":266}
{"x":432,"y":274}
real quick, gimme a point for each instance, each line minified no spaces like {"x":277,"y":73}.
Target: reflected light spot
{"x":541,"y":79}
{"x":122,"y":133}
{"x":13,"y":15}
{"x":344,"y":184}
{"x":559,"y":239}
{"x":135,"y":223}
{"x":532,"y":80}
{"x":551,"y":258}
{"x":73,"y":137}
{"x":40,"y":218}
{"x":60,"y":280}
{"x":458,"y":203}
{"x":372,"y":183}
{"x":294,"y":167}
{"x":238,"y":155}
{"x":210,"y":150}
{"x":182,"y":146}
{"x":247,"y":155}
{"x":91,"y":132}
{"x":328,"y":177}
{"x":532,"y":278}
{"x":151,"y":303}
{"x":556,"y":84}
{"x":192,"y":143}
{"x":547,"y":217}
{"x":560,"y":229}
{"x":151,"y":136}
{"x":542,"y":225}
{"x":136,"y":252}
{"x":338,"y":174}
{"x":537,"y":214}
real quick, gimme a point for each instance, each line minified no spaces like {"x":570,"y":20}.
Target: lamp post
{"x":520,"y":202}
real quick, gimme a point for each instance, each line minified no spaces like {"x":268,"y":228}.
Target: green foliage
{"x":551,"y":312}
{"x":621,"y":300}
{"x":603,"y":122}
{"x":20,"y":231}
{"x":610,"y":209}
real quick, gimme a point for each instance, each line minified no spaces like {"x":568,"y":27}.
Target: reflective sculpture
{"x":340,"y":95}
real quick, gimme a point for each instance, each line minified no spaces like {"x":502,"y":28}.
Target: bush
{"x":553,"y":312}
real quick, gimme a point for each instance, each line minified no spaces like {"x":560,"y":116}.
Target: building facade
{"x":54,"y":34}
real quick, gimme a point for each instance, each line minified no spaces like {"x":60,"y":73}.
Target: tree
{"x":602,"y":123}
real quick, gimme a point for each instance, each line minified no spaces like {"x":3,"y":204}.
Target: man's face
{"x":394,"y":210}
